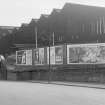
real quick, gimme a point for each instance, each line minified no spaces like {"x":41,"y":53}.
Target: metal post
{"x":53,"y":39}
{"x":97,"y":27}
{"x":100,"y":25}
{"x":36,"y":36}
{"x":103,"y":25}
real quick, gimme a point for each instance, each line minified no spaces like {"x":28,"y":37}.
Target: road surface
{"x":21,"y":93}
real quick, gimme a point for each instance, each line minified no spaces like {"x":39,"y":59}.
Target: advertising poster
{"x":21,"y":57}
{"x":28,"y":57}
{"x":36,"y":56}
{"x":59,"y":55}
{"x":39,"y":56}
{"x":90,"y":53}
{"x":102,"y":54}
{"x":73,"y":54}
{"x":52,"y":55}
{"x":56,"y":55}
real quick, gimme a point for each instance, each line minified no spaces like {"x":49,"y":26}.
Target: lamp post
{"x":36,"y":36}
{"x":35,"y":31}
{"x":53,"y":38}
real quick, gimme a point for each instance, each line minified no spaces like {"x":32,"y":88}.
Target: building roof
{"x":8,"y":27}
{"x":21,"y":46}
{"x":45,"y":15}
{"x":34,"y":20}
{"x":24,"y":25}
{"x":56,"y":10}
{"x":82,"y":5}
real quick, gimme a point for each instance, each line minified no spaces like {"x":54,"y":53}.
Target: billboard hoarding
{"x":56,"y":55}
{"x":52,"y":55}
{"x":21,"y":57}
{"x":94,"y":53}
{"x":59,"y":55}
{"x":36,"y":56}
{"x":24,"y":57}
{"x":39,"y":58}
{"x":28,"y":57}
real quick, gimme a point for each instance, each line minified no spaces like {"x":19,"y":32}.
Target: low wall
{"x":72,"y":73}
{"x":98,"y":77}
{"x":40,"y":75}
{"x":26,"y":75}
{"x":11,"y":76}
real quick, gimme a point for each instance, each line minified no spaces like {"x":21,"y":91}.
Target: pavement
{"x":77,"y":84}
{"x":28,"y":93}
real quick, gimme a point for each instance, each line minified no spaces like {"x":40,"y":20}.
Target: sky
{"x":16,"y":12}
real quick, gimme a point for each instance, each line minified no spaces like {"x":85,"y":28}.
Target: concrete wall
{"x":21,"y":76}
{"x":11,"y":76}
{"x":59,"y":75}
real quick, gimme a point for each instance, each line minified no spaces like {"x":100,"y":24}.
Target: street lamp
{"x":36,"y":32}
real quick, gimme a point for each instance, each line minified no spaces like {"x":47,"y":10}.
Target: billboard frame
{"x":82,"y":45}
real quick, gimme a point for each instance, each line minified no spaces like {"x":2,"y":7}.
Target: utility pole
{"x":53,"y":39}
{"x":97,"y":27}
{"x":36,"y":36}
{"x":100,"y":25}
{"x":103,"y":25}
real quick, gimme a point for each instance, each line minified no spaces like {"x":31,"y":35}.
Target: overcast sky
{"x":15,"y":12}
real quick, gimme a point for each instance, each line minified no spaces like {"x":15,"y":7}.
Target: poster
{"x":89,"y":54}
{"x":36,"y":56}
{"x":52,"y":55}
{"x":59,"y":55}
{"x":102,"y":54}
{"x":86,"y":53}
{"x":73,"y":54}
{"x":24,"y":57}
{"x":92,"y":54}
{"x":39,"y":56}
{"x":21,"y":57}
{"x":56,"y":55}
{"x":28,"y":57}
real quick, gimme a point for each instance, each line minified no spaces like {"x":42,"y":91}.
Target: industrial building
{"x":74,"y":23}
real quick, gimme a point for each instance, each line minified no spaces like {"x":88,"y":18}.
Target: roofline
{"x":72,"y":3}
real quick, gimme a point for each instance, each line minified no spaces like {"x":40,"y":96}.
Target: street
{"x":25,"y":93}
